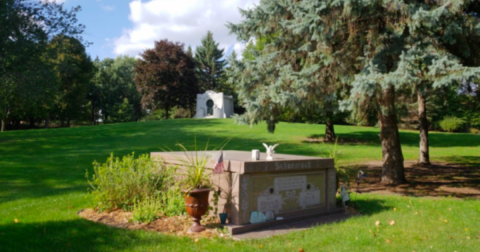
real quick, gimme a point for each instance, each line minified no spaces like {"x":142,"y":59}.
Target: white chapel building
{"x":214,"y":105}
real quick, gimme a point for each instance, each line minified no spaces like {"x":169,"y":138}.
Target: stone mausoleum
{"x":214,"y":105}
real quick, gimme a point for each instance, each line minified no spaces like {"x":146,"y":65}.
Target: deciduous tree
{"x":112,"y":84}
{"x":165,"y":77}
{"x":26,"y":28}
{"x":74,"y":70}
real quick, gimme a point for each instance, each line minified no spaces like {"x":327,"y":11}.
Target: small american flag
{"x":218,"y":168}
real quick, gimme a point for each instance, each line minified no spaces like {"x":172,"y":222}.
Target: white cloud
{"x":108,"y":7}
{"x":51,"y":1}
{"x":185,"y":21}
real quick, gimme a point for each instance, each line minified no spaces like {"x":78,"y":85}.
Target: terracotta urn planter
{"x":196,"y":203}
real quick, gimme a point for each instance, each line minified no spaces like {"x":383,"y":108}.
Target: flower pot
{"x":196,"y":203}
{"x":223,"y":218}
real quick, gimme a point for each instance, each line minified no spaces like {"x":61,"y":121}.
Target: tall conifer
{"x":208,"y":63}
{"x":374,"y":43}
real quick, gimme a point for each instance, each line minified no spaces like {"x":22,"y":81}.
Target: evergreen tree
{"x":319,"y":44}
{"x":208,"y":63}
{"x":189,"y":51}
{"x":431,"y":57}
{"x":323,"y":80}
{"x":230,"y":88}
{"x":252,"y":90}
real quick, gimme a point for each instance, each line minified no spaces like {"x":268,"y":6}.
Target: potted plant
{"x":196,"y":184}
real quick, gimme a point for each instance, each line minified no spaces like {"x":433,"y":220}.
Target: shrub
{"x":156,"y":115}
{"x":451,"y":124}
{"x":475,"y":120}
{"x":121,"y":112}
{"x":178,"y":112}
{"x":175,"y":112}
{"x":173,"y":203}
{"x":474,"y":130}
{"x":120,"y":183}
{"x":147,"y":210}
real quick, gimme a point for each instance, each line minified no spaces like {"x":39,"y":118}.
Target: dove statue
{"x":270,"y":150}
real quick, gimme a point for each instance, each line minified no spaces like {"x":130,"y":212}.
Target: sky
{"x":128,"y":27}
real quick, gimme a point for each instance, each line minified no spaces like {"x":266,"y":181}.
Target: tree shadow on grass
{"x":367,"y":206}
{"x":460,"y":180}
{"x":407,"y":138}
{"x":39,"y":163}
{"x":77,"y":235}
{"x":469,"y":161}
{"x":362,"y":138}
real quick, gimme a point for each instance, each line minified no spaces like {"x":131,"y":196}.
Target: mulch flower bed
{"x":175,"y":225}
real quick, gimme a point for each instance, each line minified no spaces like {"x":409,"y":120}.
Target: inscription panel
{"x":269,"y":203}
{"x":290,"y":183}
{"x":282,"y":193}
{"x":309,"y":198}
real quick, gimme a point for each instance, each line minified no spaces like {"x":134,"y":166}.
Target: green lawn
{"x":43,"y":185}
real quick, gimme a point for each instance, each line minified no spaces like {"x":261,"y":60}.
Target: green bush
{"x":451,"y":124}
{"x":475,"y":120}
{"x":147,"y":210}
{"x":156,"y":115}
{"x":474,"y":131}
{"x":173,"y":202}
{"x":178,"y":112}
{"x":119,"y":183}
{"x":121,"y":112}
{"x":173,"y":113}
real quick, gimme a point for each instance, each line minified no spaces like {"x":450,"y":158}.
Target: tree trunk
{"x":191,"y":108}
{"x":271,"y":122}
{"x":270,"y":126}
{"x":47,"y":123}
{"x":329,"y":126}
{"x":2,"y":128}
{"x":424,"y":157}
{"x":393,"y":170}
{"x":166,"y":112}
{"x":16,"y":124}
{"x":32,"y":123}
{"x":105,"y":117}
{"x":92,"y":114}
{"x":329,"y":131}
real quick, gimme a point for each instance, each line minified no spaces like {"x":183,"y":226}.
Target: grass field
{"x":43,"y":185}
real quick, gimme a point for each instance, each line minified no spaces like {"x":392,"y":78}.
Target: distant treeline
{"x":47,"y":79}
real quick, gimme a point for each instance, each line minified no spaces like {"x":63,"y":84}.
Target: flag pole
{"x":219,"y":174}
